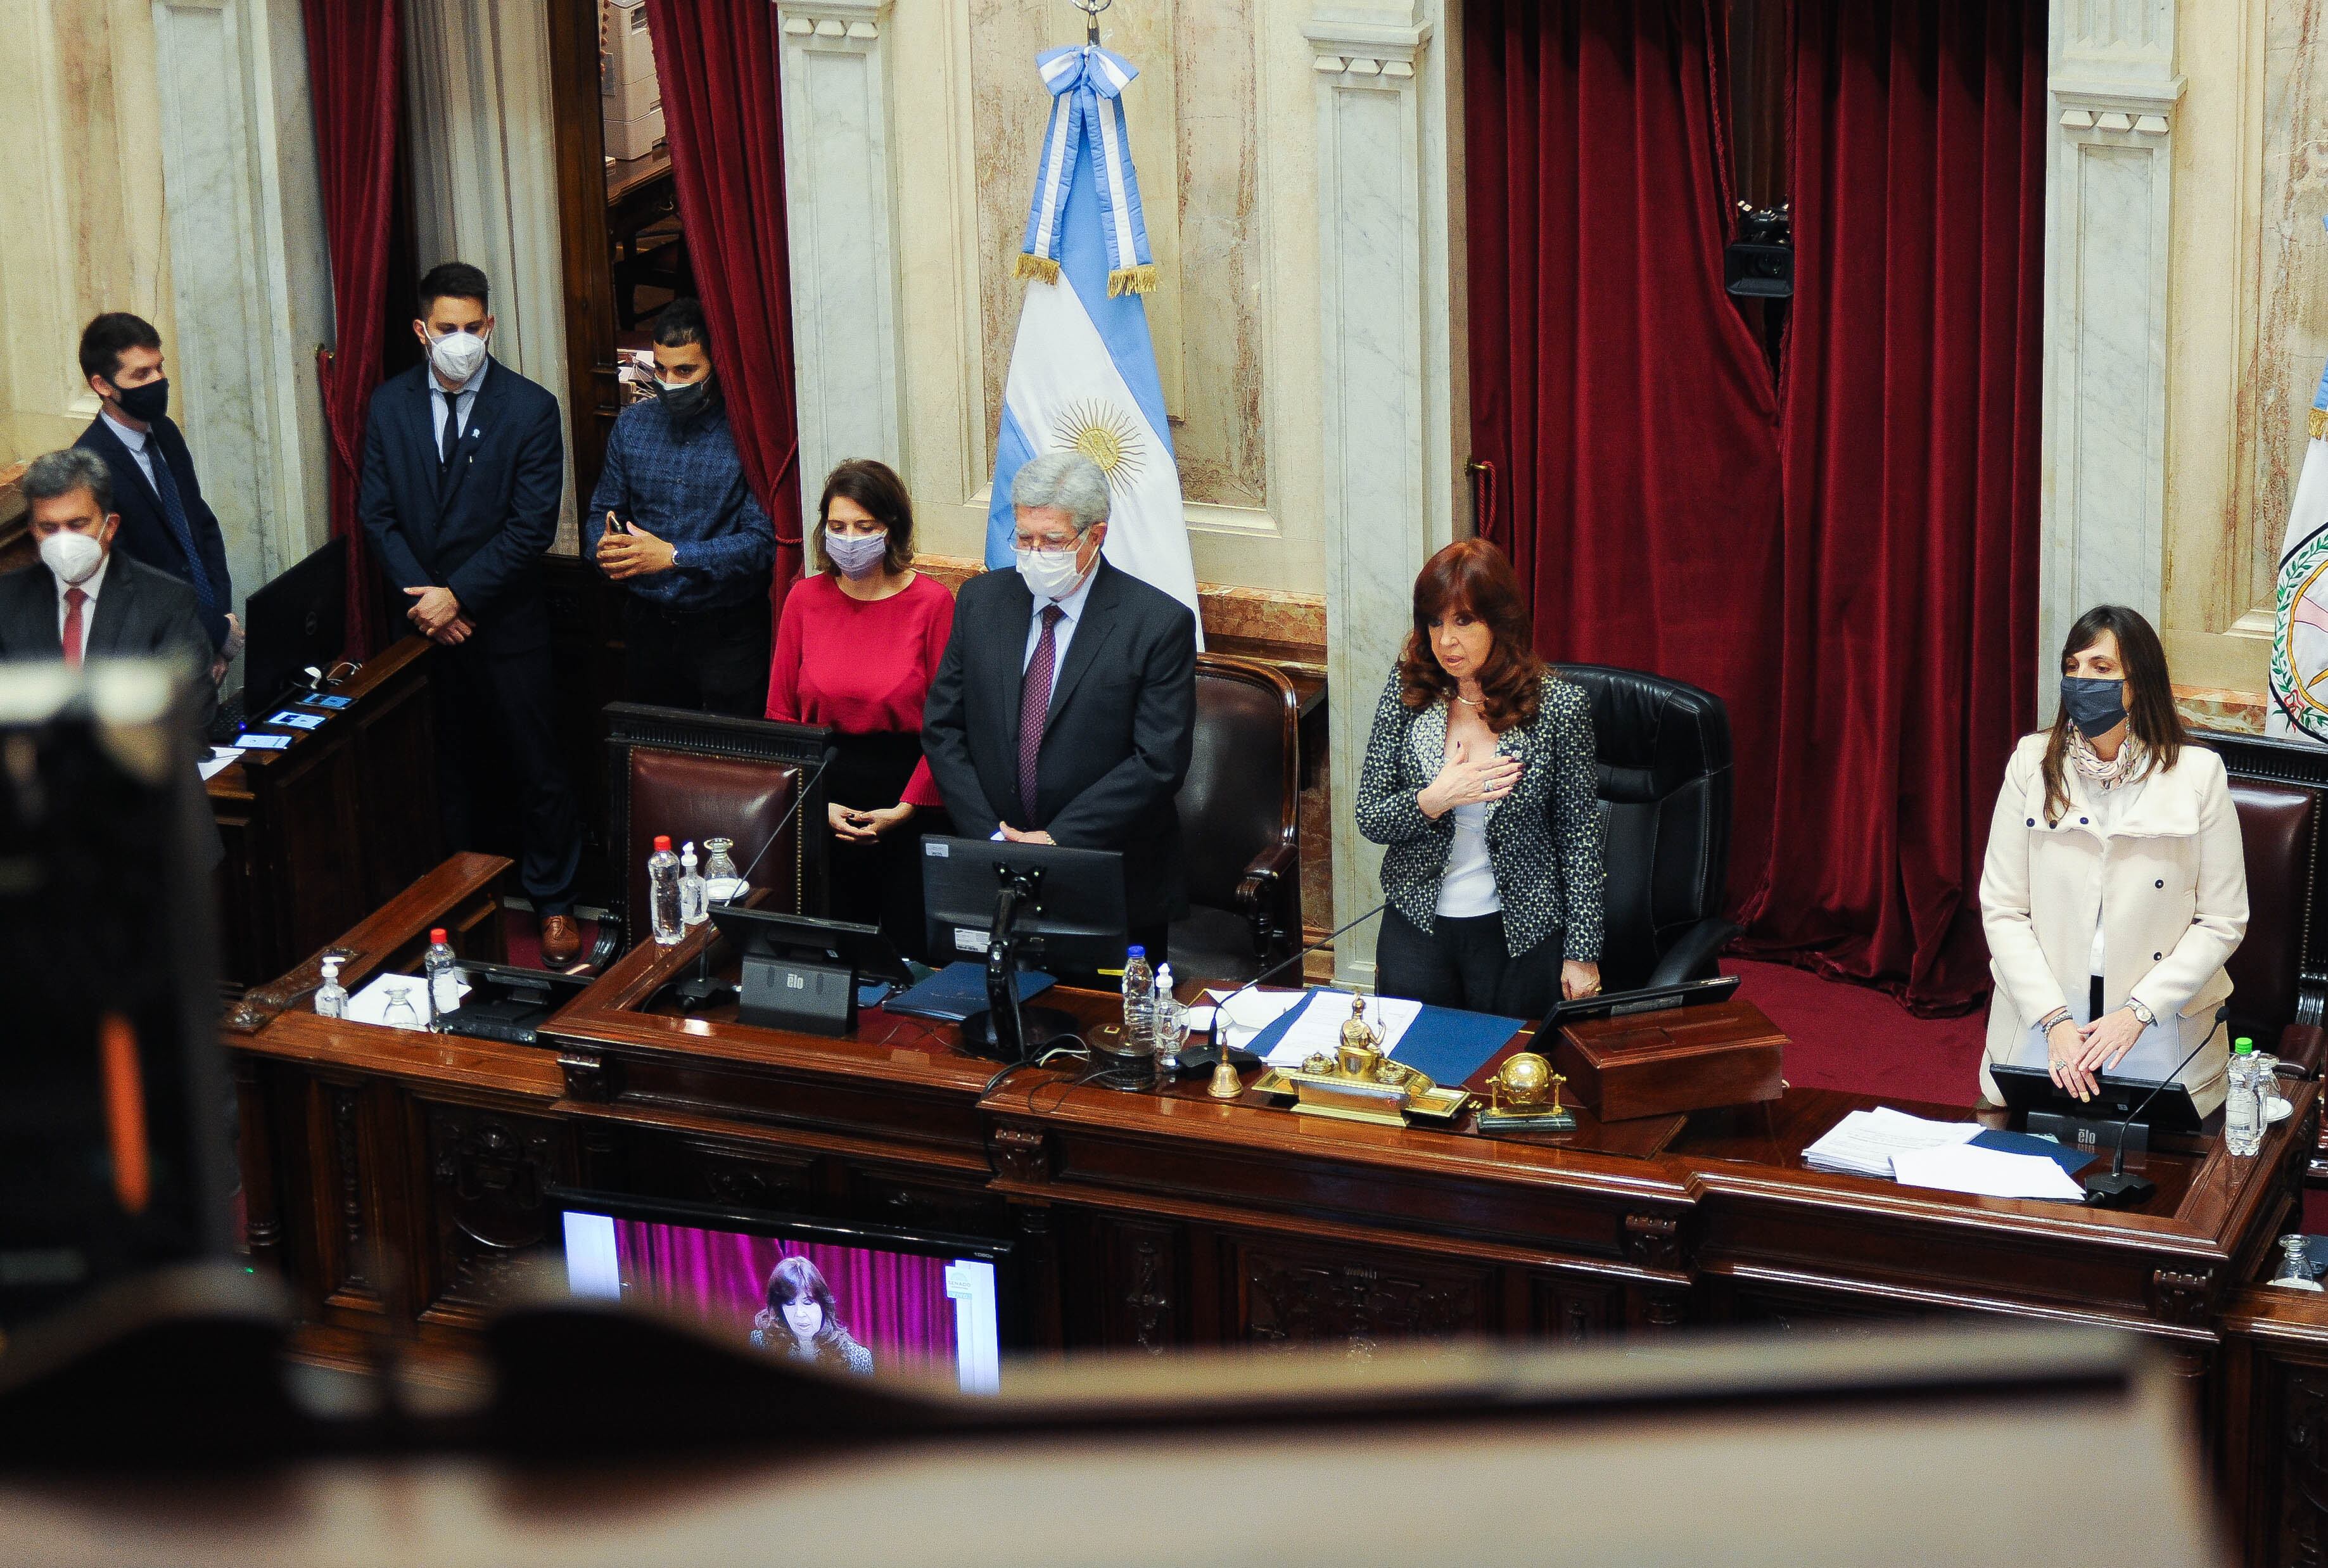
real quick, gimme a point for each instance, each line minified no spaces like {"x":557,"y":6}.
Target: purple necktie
{"x":1035,"y":709}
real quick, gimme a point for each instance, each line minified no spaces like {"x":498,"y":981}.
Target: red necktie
{"x":74,"y":600}
{"x":1035,"y":709}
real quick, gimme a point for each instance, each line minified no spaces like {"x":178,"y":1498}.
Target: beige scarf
{"x":2132,"y":762}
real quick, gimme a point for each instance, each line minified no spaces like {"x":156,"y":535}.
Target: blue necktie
{"x":174,"y":512}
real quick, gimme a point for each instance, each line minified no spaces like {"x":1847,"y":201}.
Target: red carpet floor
{"x":1850,"y":1038}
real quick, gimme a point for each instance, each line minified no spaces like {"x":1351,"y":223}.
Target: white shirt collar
{"x":133,"y":440}
{"x":88,"y":585}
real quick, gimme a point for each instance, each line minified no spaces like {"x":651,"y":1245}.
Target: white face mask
{"x":1051,"y":574}
{"x":73,"y":556}
{"x":456,"y":355}
{"x":857,"y":554}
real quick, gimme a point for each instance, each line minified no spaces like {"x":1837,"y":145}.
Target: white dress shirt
{"x":463,"y":402}
{"x":2106,"y":807}
{"x":136,"y":441}
{"x":1072,"y":610}
{"x":88,"y":585}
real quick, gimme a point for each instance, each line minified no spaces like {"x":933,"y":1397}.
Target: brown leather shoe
{"x":562,"y":940}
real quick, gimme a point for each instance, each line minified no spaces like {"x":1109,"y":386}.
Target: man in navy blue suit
{"x":464,"y":465}
{"x":165,"y":520}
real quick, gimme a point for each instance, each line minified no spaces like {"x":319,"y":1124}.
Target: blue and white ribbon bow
{"x":1087,"y":85}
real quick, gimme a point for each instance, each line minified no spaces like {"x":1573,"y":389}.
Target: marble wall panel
{"x":2291,"y":339}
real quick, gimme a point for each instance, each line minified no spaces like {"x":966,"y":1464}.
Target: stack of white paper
{"x":1985,"y":1172}
{"x":221,"y":759}
{"x":1866,"y":1143}
{"x":1319,"y":1027}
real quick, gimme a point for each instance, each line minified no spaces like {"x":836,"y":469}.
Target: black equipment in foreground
{"x":116,"y":1142}
{"x":297,"y":620}
{"x":509,"y":1004}
{"x":1017,"y":905}
{"x":1616,"y":1004}
{"x":801,"y":972}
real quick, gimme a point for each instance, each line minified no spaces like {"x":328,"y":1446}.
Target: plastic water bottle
{"x":662,"y":891}
{"x":1139,"y":1002}
{"x":330,"y":996}
{"x":1161,"y":1012}
{"x":444,"y":976}
{"x":693,"y":907}
{"x":2243,"y":1102}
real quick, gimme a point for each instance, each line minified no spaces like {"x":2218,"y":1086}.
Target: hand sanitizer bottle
{"x":330,"y":996}
{"x":693,"y":910}
{"x":662,"y":892}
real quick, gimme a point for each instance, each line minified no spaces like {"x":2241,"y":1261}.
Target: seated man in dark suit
{"x":165,"y":520}
{"x":88,"y":600}
{"x":464,"y":464}
{"x":1064,"y":711}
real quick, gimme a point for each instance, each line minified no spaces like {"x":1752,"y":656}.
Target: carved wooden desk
{"x":400,"y":1178}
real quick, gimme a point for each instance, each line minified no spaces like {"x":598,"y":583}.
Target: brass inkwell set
{"x":1355,"y":1082}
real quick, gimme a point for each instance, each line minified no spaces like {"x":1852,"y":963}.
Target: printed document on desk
{"x":1866,"y":1143}
{"x":1318,"y":1027}
{"x":1984,"y":1172}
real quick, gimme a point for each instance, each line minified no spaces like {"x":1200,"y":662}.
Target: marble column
{"x":1389,"y":351}
{"x":839,"y":202}
{"x":250,"y":277}
{"x":485,"y":177}
{"x":2108,"y":201}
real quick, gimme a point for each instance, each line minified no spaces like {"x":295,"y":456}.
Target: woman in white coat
{"x":2114,"y":889}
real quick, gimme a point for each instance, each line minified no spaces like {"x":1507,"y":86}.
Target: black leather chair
{"x":1241,"y":823}
{"x":1664,"y":785}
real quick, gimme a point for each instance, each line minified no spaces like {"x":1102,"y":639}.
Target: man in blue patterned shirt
{"x":673,"y":522}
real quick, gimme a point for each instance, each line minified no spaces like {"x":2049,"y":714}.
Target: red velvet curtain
{"x":353,"y":59}
{"x":1911,"y":391}
{"x":716,"y":61}
{"x":1630,"y":417}
{"x":1849,"y":564}
{"x":893,"y":1303}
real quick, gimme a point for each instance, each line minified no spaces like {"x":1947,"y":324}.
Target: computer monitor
{"x":887,"y":1301}
{"x":298,"y":619}
{"x":1015,"y":906}
{"x":1614,"y":1004}
{"x":2048,"y":1108}
{"x":801,"y":972}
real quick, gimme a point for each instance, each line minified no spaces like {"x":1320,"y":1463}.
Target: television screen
{"x":784,"y":1288}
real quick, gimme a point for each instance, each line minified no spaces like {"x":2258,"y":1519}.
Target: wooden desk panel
{"x":401,"y":1180}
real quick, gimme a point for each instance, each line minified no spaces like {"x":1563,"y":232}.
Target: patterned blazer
{"x":1543,"y":838}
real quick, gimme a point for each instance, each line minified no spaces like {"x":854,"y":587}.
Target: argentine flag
{"x":1082,"y":373}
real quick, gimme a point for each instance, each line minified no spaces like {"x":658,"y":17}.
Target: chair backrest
{"x":1665,"y":783}
{"x":2279,"y":831}
{"x":702,"y":776}
{"x":1243,"y":790}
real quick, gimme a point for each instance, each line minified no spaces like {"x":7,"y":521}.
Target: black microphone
{"x":1220,"y":1010}
{"x":2116,"y":1189}
{"x":830,"y":752}
{"x":700,"y":991}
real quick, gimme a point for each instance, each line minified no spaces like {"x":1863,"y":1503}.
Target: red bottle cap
{"x":437,"y":935}
{"x":662,"y":843}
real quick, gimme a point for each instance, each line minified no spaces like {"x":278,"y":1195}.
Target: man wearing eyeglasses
{"x":1064,"y":709}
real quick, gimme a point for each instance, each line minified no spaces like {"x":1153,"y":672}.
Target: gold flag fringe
{"x":2319,"y":424}
{"x":1037,"y":267}
{"x":1131,"y":280}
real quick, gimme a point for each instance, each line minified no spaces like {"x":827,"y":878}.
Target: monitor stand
{"x":1009,"y":1030}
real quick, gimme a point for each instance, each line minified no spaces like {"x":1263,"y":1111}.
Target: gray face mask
{"x":856,"y":555}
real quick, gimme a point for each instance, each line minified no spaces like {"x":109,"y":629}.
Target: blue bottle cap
{"x":1135,"y":952}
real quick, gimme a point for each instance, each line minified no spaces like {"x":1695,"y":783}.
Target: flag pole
{"x":1090,"y":10}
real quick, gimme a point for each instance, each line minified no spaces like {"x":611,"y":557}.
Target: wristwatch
{"x":2141,"y":1012}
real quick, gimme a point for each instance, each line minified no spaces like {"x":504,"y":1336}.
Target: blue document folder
{"x":1445,"y":1045}
{"x":2069,"y":1160}
{"x":958,"y":991}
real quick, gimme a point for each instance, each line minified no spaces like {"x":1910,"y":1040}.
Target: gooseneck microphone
{"x":1220,"y":1011}
{"x":830,"y":754}
{"x":2114,"y":1188}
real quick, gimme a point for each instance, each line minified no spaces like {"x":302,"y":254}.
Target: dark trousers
{"x":716,"y":660}
{"x":495,"y":742}
{"x":1461,"y":963}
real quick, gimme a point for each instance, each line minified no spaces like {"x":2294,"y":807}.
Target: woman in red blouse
{"x":855,"y":648}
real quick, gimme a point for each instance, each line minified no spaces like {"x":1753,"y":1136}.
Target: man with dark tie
{"x":1064,"y":709}
{"x":464,"y":465}
{"x":90,"y":599}
{"x":164,"y":522}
